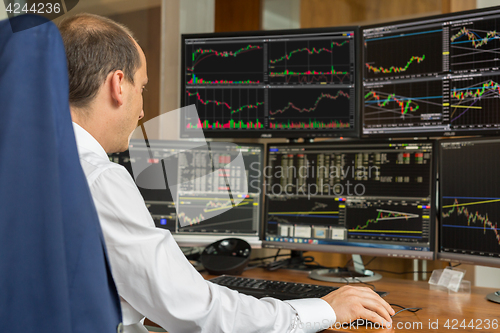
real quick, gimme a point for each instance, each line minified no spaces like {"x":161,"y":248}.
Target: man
{"x":107,"y":71}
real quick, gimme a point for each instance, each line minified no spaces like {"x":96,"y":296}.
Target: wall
{"x":280,"y":14}
{"x":113,"y":7}
{"x":3,"y":13}
{"x":487,"y":277}
{"x":145,"y":25}
{"x":487,"y":3}
{"x":179,"y":17}
{"x":324,"y":13}
{"x":237,"y":15}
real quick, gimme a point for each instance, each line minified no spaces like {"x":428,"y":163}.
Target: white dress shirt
{"x":153,"y":277}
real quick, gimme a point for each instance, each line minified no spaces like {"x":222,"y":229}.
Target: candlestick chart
{"x":404,"y":104}
{"x":403,"y":55}
{"x":475,"y":45}
{"x":475,"y":102}
{"x":310,"y":61}
{"x":394,"y":69}
{"x":310,"y":108}
{"x":264,"y":84}
{"x":226,"y":109}
{"x":473,"y":221}
{"x":470,"y":201}
{"x":224,"y":64}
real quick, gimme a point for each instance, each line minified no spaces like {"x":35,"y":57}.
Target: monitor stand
{"x":355,"y":274}
{"x":494,"y":297}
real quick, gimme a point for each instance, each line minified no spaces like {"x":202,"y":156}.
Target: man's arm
{"x":154,"y":277}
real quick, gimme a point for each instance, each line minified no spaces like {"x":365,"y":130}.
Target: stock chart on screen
{"x":271,"y":84}
{"x":470,"y":200}
{"x":200,"y":192}
{"x":432,"y":76}
{"x":353,"y":197}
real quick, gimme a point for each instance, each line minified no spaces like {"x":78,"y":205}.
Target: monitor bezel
{"x":494,"y":10}
{"x":268,"y":133}
{"x":362,"y":250}
{"x":460,"y":257}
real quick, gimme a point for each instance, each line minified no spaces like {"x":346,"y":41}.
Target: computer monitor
{"x":356,"y":197}
{"x":284,"y":84}
{"x":433,"y":76}
{"x":469,"y":198}
{"x":201,"y":192}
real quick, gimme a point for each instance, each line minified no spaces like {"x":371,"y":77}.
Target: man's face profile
{"x":134,"y":108}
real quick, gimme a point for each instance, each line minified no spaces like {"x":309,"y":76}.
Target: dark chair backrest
{"x":54,"y":271}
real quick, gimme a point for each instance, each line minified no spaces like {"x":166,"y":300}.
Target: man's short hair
{"x":96,"y":46}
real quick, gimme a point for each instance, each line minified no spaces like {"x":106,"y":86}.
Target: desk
{"x":437,"y":306}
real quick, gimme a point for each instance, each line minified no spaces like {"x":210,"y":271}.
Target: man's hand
{"x":351,"y":303}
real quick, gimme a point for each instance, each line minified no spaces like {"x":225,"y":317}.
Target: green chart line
{"x":205,"y":102}
{"x":322,"y":96}
{"x":393,"y":69}
{"x":384,"y":215}
{"x":313,"y":51}
{"x":201,"y":54}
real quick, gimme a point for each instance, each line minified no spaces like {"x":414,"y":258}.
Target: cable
{"x":413,"y":310}
{"x":408,"y":309}
{"x":370,"y":261}
{"x":307,"y":261}
{"x":277,"y":254}
{"x":368,"y":284}
{"x":347,"y":263}
{"x":270,"y":257}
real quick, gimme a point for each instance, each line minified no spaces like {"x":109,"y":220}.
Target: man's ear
{"x":116,"y":82}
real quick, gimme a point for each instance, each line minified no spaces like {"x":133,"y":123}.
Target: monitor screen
{"x":373,"y":198}
{"x":470,"y":201}
{"x":432,"y":76}
{"x":201,"y":192}
{"x":292,"y":84}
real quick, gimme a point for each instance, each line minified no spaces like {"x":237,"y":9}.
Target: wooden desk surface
{"x":464,"y":313}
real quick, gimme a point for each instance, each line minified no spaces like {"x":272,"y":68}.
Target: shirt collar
{"x":85,"y":140}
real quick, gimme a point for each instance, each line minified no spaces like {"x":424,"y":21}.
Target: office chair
{"x":54,"y":272}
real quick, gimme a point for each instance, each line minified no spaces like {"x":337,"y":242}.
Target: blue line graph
{"x":463,"y":226}
{"x":308,"y":215}
{"x":471,"y":198}
{"x":401,"y":98}
{"x":385,"y":235}
{"x":404,"y":35}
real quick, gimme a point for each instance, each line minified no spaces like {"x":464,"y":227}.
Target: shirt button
{"x":119,"y":328}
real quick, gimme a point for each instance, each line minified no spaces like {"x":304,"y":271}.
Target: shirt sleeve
{"x":154,"y":277}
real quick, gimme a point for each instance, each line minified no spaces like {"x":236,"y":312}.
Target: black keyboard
{"x":277,"y":289}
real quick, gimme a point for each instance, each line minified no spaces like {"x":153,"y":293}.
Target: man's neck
{"x":93,"y":127}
